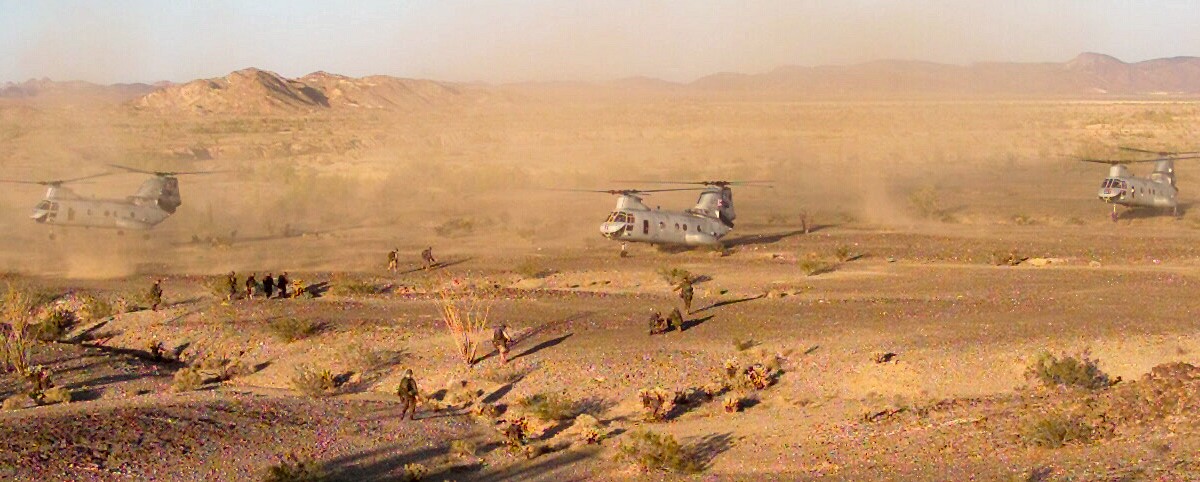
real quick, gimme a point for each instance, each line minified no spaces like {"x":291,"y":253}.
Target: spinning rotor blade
{"x":707,"y":183}
{"x":163,"y":173}
{"x":624,"y":191}
{"x":1127,"y":161}
{"x":55,"y":182}
{"x":1158,"y":153}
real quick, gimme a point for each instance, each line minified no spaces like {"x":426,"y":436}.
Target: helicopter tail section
{"x":1164,"y":171}
{"x":717,"y":202}
{"x":163,"y":191}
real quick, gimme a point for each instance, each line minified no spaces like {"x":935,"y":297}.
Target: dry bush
{"x":465,"y":311}
{"x":732,"y":404}
{"x":19,"y":402}
{"x":927,"y":204}
{"x":1082,"y":372}
{"x":657,"y":403}
{"x":295,"y":469}
{"x":289,"y":330}
{"x":54,"y":324}
{"x":516,"y":434}
{"x":187,"y":379}
{"x":414,"y":472}
{"x":502,"y":375}
{"x":217,"y":287}
{"x":314,"y":383}
{"x":1169,"y":390}
{"x":674,"y":276}
{"x":589,"y":429}
{"x":743,"y":345}
{"x":812,"y":266}
{"x":348,"y":287}
{"x":755,"y":376}
{"x":549,"y":406}
{"x":38,"y":379}
{"x":220,"y":368}
{"x":56,"y":395}
{"x":1011,"y":258}
{"x":532,"y":269}
{"x":842,"y":253}
{"x":652,"y":451}
{"x":463,"y":448}
{"x":1054,"y":430}
{"x":16,"y":342}
{"x":94,"y":309}
{"x":455,"y":227}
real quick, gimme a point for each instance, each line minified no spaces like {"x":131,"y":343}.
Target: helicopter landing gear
{"x":624,"y":253}
{"x":120,"y":233}
{"x":52,"y":236}
{"x":1114,"y":214}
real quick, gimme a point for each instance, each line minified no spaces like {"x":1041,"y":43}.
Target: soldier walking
{"x":393,"y":260}
{"x":501,"y":340}
{"x":156,"y":293}
{"x":251,"y":286}
{"x":268,"y":286}
{"x":231,"y":283}
{"x":685,"y":294}
{"x":407,"y":391}
{"x":427,"y":257}
{"x":282,"y":284}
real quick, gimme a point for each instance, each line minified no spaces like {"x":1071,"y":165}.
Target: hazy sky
{"x":515,"y":40}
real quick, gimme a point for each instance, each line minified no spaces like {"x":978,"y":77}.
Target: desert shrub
{"x":486,"y":411}
{"x":455,"y":227}
{"x":657,"y":403}
{"x":93,"y":308}
{"x":465,"y":311}
{"x":532,"y":269}
{"x":414,"y":472}
{"x":187,"y":379}
{"x":842,"y":253}
{"x":56,"y":395}
{"x":294,"y":469}
{"x":347,"y":287}
{"x":743,"y":345}
{"x":548,"y":406}
{"x":503,"y":375}
{"x":589,"y":429}
{"x":1023,"y":220}
{"x":732,"y":404}
{"x":652,"y":451}
{"x":927,"y":203}
{"x":1011,"y":258}
{"x":674,"y":276}
{"x":293,"y":329}
{"x":55,"y":324}
{"x":157,"y":351}
{"x":314,"y":383}
{"x":516,"y":434}
{"x":217,"y":287}
{"x":812,"y":266}
{"x":1169,"y":390}
{"x":19,"y":402}
{"x":1080,"y":371}
{"x":1054,"y":431}
{"x":38,"y":380}
{"x":16,"y":308}
{"x":755,"y":376}
{"x":463,"y":448}
{"x":220,"y":368}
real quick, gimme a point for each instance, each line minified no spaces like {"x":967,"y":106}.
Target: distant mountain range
{"x":254,"y":91}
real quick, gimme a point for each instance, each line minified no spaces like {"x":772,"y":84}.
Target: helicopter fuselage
{"x":131,"y":214}
{"x":663,"y":227}
{"x":1138,"y":192}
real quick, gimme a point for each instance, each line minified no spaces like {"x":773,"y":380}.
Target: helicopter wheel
{"x":52,"y":236}
{"x":624,"y":253}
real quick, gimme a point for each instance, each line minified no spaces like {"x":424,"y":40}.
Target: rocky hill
{"x":46,"y":89}
{"x":254,"y":91}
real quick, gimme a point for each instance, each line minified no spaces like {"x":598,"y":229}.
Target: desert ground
{"x":898,"y":337}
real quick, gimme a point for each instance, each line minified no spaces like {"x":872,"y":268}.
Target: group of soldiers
{"x":393,"y":259}
{"x":674,"y":321}
{"x":270,"y":286}
{"x":407,"y":388}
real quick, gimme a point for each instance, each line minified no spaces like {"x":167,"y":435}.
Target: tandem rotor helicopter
{"x":1156,"y":191}
{"x":702,"y":225}
{"x":153,"y":202}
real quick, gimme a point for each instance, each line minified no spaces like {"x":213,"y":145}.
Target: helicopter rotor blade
{"x":1158,"y":153}
{"x":1134,"y":161}
{"x":56,"y":182}
{"x":165,"y":173}
{"x":624,"y":191}
{"x":706,"y":183}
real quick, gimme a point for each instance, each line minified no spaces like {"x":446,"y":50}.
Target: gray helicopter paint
{"x":703,"y":225}
{"x":1157,"y":191}
{"x":153,"y":203}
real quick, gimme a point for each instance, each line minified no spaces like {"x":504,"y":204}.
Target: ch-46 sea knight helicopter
{"x":1157,"y":191}
{"x":702,"y":225}
{"x":153,"y":202}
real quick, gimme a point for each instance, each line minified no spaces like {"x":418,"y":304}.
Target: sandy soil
{"x":948,"y":406}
